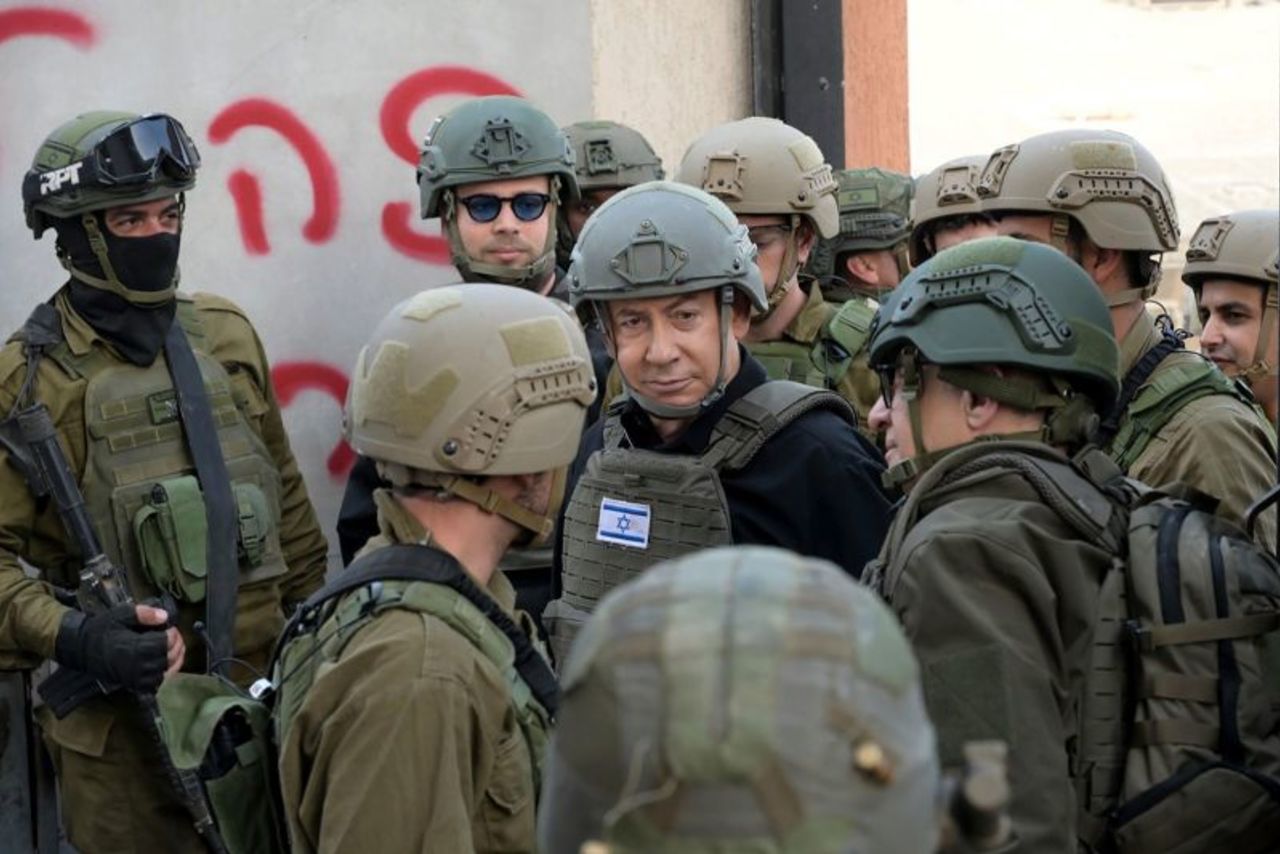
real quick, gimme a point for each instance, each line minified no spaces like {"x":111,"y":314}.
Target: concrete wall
{"x":309,"y":116}
{"x":671,"y":68}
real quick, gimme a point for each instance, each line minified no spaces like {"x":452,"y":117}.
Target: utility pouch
{"x":253,"y":517}
{"x":171,"y":530}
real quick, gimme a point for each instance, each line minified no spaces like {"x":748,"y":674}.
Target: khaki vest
{"x":139,"y":480}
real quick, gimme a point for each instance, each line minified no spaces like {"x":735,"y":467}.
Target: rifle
{"x":103,"y":585}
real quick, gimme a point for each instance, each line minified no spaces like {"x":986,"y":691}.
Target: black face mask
{"x":146,"y":264}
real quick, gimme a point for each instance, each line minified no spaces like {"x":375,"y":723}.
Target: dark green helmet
{"x":493,"y":139}
{"x":742,"y":699}
{"x":609,"y":155}
{"x":104,"y":159}
{"x":1000,"y":301}
{"x":875,"y":213}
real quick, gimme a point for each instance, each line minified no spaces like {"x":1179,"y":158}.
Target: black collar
{"x":641,"y":433}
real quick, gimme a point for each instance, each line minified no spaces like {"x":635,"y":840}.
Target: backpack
{"x":212,"y":725}
{"x":1179,"y":742}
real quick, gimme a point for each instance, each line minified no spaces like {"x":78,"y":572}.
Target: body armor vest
{"x":633,"y":508}
{"x":824,"y":363}
{"x":139,"y":481}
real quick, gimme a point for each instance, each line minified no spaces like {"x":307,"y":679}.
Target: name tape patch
{"x":624,"y":523}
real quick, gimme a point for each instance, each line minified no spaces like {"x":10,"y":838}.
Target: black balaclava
{"x":143,"y":264}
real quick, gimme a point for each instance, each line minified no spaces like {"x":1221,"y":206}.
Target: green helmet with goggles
{"x":1007,"y":303}
{"x":662,"y":239}
{"x":494,"y":138}
{"x":106,"y":159}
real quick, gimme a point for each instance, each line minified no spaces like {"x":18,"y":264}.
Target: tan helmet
{"x":951,"y":190}
{"x":1106,"y":181}
{"x":763,"y":166}
{"x":467,"y":381}
{"x":742,"y":699}
{"x":1244,"y":245}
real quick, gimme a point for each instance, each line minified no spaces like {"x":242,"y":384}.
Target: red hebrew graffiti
{"x":246,"y":192}
{"x":244,"y":187}
{"x":397,"y":110}
{"x":292,"y":378}
{"x":46,"y":21}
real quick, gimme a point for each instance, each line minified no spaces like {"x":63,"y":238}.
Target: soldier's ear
{"x":860,"y":268}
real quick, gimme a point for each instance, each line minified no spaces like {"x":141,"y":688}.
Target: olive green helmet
{"x":660,"y":239}
{"x":607,"y":156}
{"x":610,"y":155}
{"x":948,"y":192}
{"x":1012,"y":303}
{"x":741,"y":699}
{"x":467,"y":381}
{"x":1244,"y":245}
{"x":875,"y":213}
{"x":101,"y":160}
{"x":1106,"y":181}
{"x":493,"y":139}
{"x":759,"y":165}
{"x":104,"y":159}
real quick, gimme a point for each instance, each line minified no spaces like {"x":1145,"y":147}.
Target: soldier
{"x":869,"y":256}
{"x":608,"y":158}
{"x":1231,"y":266}
{"x":1101,"y":197}
{"x":947,"y":208}
{"x":116,"y":356}
{"x":704,"y":450}
{"x":741,"y":699}
{"x":995,"y":591}
{"x":496,"y":170}
{"x":776,"y":181}
{"x":412,"y":709}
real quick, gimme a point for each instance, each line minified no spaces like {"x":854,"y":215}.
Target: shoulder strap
{"x":41,"y":333}
{"x":1134,"y":380}
{"x":201,"y":433}
{"x":753,"y":419}
{"x":430,"y":565}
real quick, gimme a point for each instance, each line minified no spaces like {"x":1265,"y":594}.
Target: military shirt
{"x":1215,"y":443}
{"x":31,"y":530}
{"x":997,"y":595}
{"x":407,"y":740}
{"x":813,"y":488}
{"x":859,"y":384}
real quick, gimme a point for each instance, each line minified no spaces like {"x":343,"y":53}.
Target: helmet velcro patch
{"x":531,"y":342}
{"x":428,"y":304}
{"x":1104,"y":155}
{"x":386,"y":397}
{"x":993,"y":252}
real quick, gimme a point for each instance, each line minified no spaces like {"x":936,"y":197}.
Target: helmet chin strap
{"x":111,"y":282}
{"x":663,"y":410}
{"x":527,"y":276}
{"x":1261,"y":368}
{"x":786,"y":272}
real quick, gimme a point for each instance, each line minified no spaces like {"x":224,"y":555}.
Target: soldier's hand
{"x":127,"y":644}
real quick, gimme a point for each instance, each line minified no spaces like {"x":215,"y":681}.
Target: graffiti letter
{"x":397,"y":109}
{"x":45,"y":21}
{"x":244,"y":187}
{"x":291,"y":378}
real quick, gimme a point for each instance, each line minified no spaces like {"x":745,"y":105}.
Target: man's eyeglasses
{"x":485,"y":207}
{"x":765,"y":235}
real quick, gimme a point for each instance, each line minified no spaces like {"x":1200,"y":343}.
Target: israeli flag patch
{"x":623,"y":523}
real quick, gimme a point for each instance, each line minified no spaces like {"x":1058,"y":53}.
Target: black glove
{"x":114,"y":646}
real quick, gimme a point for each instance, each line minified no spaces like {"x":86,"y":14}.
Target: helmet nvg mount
{"x":461,"y":382}
{"x":494,"y":138}
{"x":662,"y":239}
{"x":948,"y":192}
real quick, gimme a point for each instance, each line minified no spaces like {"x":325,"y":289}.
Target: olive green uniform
{"x":406,"y":739}
{"x":997,"y":595}
{"x":1216,"y":443}
{"x":113,"y":796}
{"x":792,"y":356}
